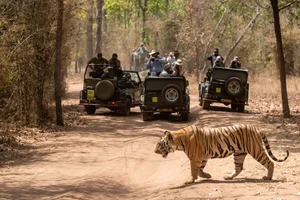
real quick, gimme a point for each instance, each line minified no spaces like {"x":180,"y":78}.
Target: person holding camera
{"x":235,"y":63}
{"x":155,"y":62}
{"x":213,"y":57}
{"x":218,"y":62}
{"x":171,"y":59}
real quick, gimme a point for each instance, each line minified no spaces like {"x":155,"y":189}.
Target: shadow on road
{"x":242,"y":180}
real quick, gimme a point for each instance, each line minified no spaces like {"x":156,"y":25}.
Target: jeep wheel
{"x":234,"y":86}
{"x":241,"y":108}
{"x":146,"y":116}
{"x":185,"y":117}
{"x":125,"y":110}
{"x":104,"y":89}
{"x":234,"y":106}
{"x":171,"y":94}
{"x":90,"y":110}
{"x":201,"y":100}
{"x":205,"y":104}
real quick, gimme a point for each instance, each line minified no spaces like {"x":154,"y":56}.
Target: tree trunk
{"x":167,"y":5}
{"x":144,"y":19}
{"x":290,"y":62}
{"x":89,"y":30}
{"x":76,"y":57}
{"x":280,"y":59}
{"x":100,"y":4}
{"x":57,"y":75}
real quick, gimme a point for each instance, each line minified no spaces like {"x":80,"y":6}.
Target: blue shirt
{"x":155,"y":66}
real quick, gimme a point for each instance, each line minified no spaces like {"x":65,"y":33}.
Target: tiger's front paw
{"x":190,"y":180}
{"x":203,"y":174}
{"x":267,"y":178}
{"x":228,"y":177}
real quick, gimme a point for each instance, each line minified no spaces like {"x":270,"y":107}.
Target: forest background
{"x":28,"y":30}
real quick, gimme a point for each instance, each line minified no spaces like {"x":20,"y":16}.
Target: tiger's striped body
{"x":201,"y":144}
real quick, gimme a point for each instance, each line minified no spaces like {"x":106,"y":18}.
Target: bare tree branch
{"x":264,"y":7}
{"x":244,"y":32}
{"x":288,"y":5}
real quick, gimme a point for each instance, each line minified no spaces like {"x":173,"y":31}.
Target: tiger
{"x":201,"y":144}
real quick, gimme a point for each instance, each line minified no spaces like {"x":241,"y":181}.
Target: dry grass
{"x":265,"y":94}
{"x":264,"y":85}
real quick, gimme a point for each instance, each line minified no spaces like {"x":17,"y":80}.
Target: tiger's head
{"x":164,"y":145}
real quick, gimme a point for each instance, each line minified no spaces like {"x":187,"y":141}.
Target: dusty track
{"x":112,"y":157}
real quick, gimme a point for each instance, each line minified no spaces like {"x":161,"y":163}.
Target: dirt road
{"x":107,"y":156}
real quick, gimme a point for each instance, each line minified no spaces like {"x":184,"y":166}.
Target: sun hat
{"x":153,"y":52}
{"x":178,"y":62}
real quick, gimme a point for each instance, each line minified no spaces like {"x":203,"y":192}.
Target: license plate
{"x":226,"y":100}
{"x":90,"y":94}
{"x":154,"y":99}
{"x":164,"y":110}
{"x":218,"y":90}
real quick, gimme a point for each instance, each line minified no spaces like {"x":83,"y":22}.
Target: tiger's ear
{"x":168,"y":134}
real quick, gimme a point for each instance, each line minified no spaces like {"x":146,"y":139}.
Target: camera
{"x":152,"y":59}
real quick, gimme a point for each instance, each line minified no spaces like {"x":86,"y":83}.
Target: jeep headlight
{"x":142,"y":98}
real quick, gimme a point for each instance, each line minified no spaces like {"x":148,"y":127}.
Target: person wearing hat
{"x":213,"y":57}
{"x":155,"y":62}
{"x":169,"y":66}
{"x":219,"y":62}
{"x":235,"y":63}
{"x":177,"y":68}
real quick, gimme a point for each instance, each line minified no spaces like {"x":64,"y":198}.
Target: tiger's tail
{"x":266,"y":143}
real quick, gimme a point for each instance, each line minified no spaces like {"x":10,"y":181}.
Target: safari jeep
{"x":111,"y":93}
{"x":225,"y":85}
{"x":165,"y":95}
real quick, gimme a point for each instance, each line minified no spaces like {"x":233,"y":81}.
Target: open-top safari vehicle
{"x":165,"y":95}
{"x":116,"y":92}
{"x":225,"y":85}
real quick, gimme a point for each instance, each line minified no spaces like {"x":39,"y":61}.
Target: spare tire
{"x":171,"y":94}
{"x":104,"y":89}
{"x":234,"y":86}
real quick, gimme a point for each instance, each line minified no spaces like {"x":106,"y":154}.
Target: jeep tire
{"x":205,"y":104}
{"x":234,"y":106}
{"x":185,"y":117}
{"x":241,"y":108}
{"x":171,"y":94}
{"x":146,"y":116}
{"x":125,"y":109}
{"x":90,"y":110}
{"x":104,"y":90}
{"x":234,"y":86}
